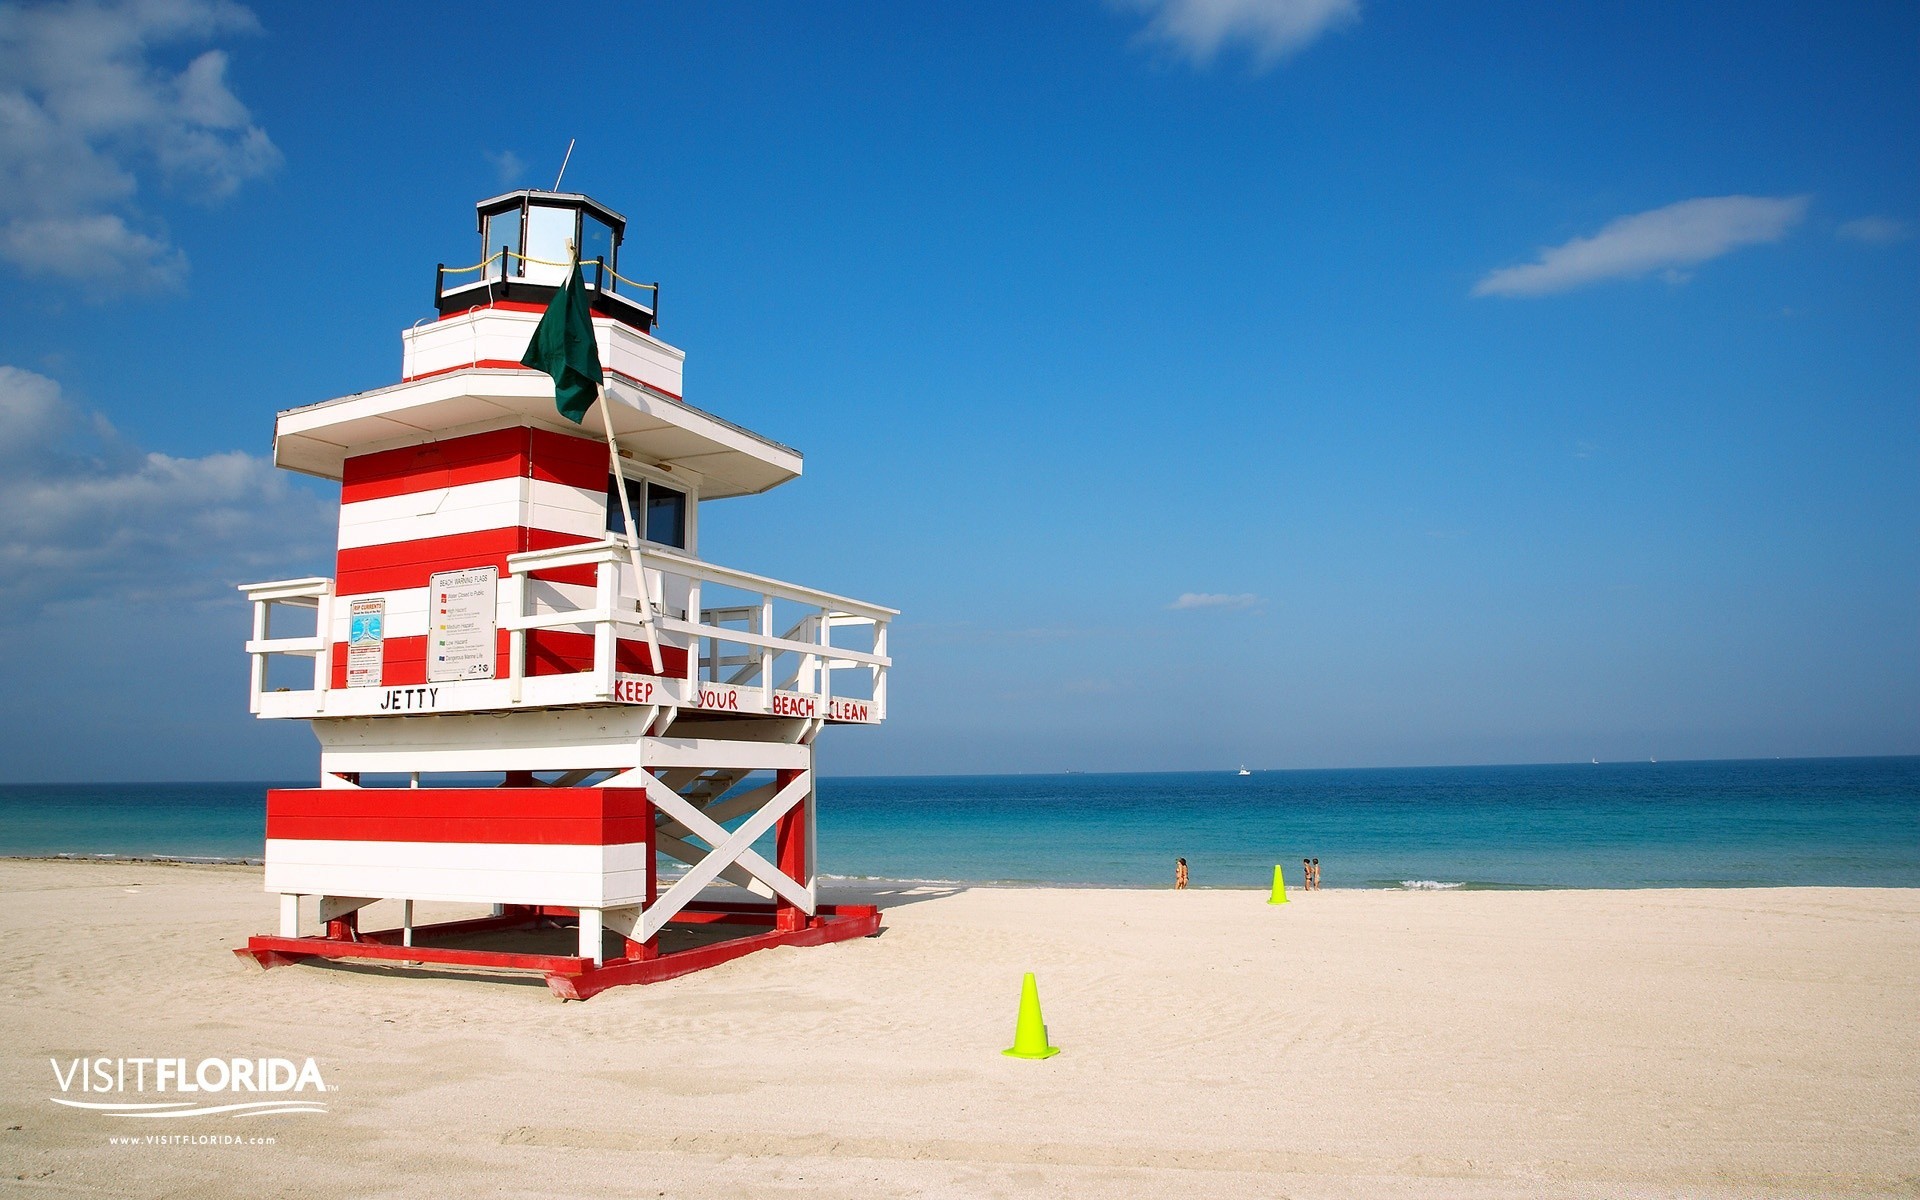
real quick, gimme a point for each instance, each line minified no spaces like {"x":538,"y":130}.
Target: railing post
{"x":824,"y":684}
{"x":766,"y":652}
{"x":605,"y":635}
{"x":517,"y":636}
{"x":879,"y":672}
{"x":257,"y":677}
{"x":693,"y":651}
{"x":323,"y":629}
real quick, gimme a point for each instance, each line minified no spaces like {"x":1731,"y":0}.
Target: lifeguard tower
{"x":517,"y":705}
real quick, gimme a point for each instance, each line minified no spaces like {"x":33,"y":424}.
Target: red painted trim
{"x":474,"y":458}
{"x":575,"y":461}
{"x":571,"y":976}
{"x":790,"y":853}
{"x":518,"y":452}
{"x":488,"y":364}
{"x":511,"y":816}
{"x":580,"y":832}
{"x":833,"y":925}
{"x":503,"y":305}
{"x":639,"y":382}
{"x":490,"y":804}
{"x":283,"y":949}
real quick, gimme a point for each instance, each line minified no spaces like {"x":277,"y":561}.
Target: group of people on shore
{"x":1309,"y":874}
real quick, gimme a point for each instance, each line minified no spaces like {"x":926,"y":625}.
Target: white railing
{"x":314,"y":594}
{"x":735,"y":662}
{"x":727,"y":647}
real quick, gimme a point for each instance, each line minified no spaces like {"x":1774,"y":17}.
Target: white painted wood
{"x":590,"y":935}
{"x":286,"y":590}
{"x":462,"y":856}
{"x":729,"y":460}
{"x":555,"y":729}
{"x":332,"y":908}
{"x":406,"y":922}
{"x":425,"y":506}
{"x":289,"y":915}
{"x":490,"y":695}
{"x":546,"y":740}
{"x":624,"y":921}
{"x":707,"y":752}
{"x":605,"y":599}
{"x":501,"y":336}
{"x":473,"y":887}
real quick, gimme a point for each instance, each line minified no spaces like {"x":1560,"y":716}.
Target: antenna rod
{"x":563,"y":165}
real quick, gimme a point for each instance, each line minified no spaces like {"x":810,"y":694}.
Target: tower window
{"x":661,"y":511}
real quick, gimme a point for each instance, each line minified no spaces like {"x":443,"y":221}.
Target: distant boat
{"x":1596,"y":762}
{"x":1243,"y":769}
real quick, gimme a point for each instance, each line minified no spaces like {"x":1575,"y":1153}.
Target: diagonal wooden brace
{"x":691,"y":855}
{"x":728,"y":848}
{"x":725,"y":810}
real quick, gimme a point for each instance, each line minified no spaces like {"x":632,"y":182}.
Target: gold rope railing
{"x":487,"y":262}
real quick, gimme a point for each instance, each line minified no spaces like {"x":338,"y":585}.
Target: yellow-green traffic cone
{"x":1279,"y":888}
{"x":1030,"y":1033}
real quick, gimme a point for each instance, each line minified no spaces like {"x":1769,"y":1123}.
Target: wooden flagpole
{"x":633,"y":540}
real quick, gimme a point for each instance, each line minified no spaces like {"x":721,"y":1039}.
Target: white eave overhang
{"x":728,"y":460}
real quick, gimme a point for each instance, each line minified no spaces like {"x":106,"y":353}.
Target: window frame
{"x":647,"y":477}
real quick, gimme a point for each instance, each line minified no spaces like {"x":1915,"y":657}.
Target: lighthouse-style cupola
{"x":528,"y":242}
{"x":532,"y":689}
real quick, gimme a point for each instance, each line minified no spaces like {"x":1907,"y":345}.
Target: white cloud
{"x":1666,"y":239}
{"x":85,"y":516}
{"x":1875,"y":231}
{"x":1192,"y":600}
{"x":1271,"y":29}
{"x":510,"y":167}
{"x":87,"y":109}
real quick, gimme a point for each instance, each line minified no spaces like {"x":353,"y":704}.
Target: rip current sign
{"x":462,"y":620}
{"x":366,"y":642}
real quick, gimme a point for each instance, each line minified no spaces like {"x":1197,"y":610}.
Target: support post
{"x":590,"y":927}
{"x":650,"y":827}
{"x":790,"y":855}
{"x":289,"y":915}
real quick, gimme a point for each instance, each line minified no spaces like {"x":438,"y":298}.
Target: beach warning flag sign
{"x":563,"y":347}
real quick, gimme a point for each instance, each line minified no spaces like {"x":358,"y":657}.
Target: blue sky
{"x":1295,"y":382}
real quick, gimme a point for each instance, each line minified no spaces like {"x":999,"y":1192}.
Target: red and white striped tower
{"x":494,"y":726}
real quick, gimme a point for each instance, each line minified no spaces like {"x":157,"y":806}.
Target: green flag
{"x":563,"y":347}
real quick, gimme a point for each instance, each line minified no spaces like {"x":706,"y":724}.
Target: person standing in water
{"x":1306,"y":874}
{"x":1179,"y":874}
{"x":1316,"y":874}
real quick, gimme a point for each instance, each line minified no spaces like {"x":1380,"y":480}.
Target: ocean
{"x":1837,"y":822}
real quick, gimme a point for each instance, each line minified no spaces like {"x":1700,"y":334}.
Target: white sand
{"x":1350,"y":1044}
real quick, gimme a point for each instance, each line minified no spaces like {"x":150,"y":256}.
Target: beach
{"x":1352,"y":1043}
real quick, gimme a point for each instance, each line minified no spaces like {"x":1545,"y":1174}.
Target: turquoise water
{"x":1847,"y":822}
